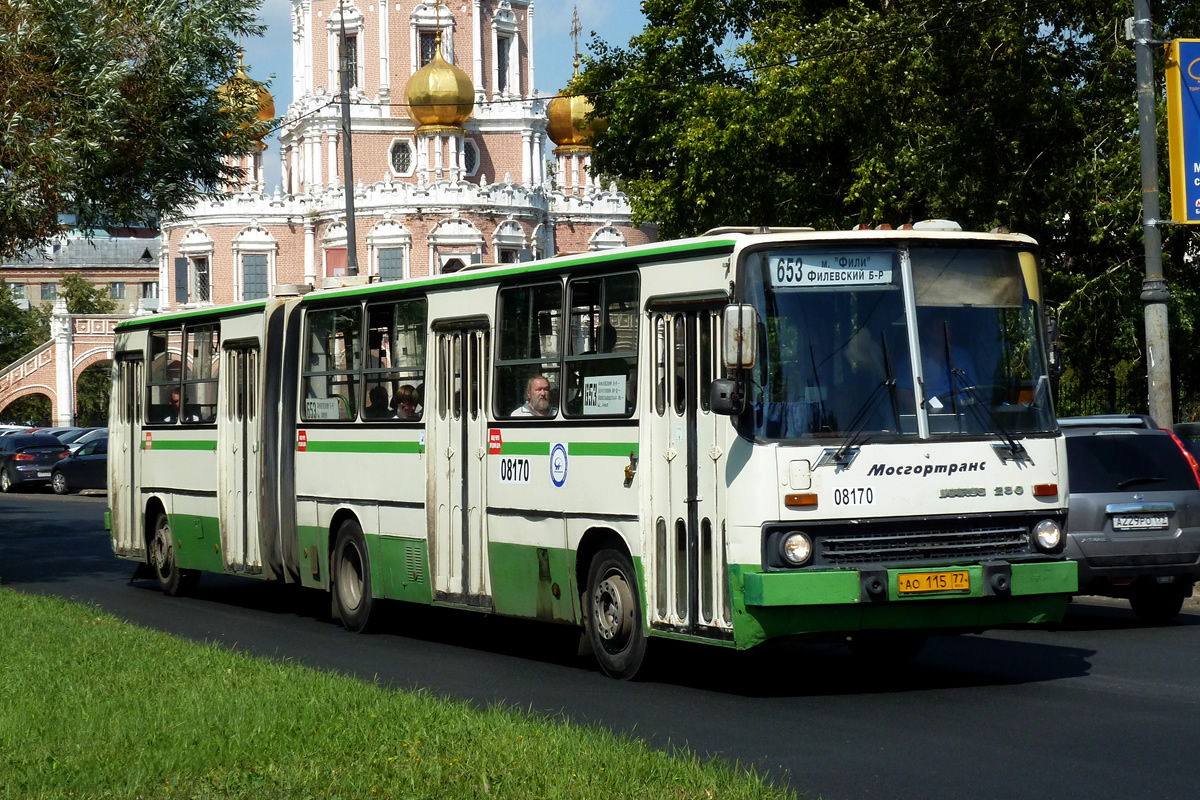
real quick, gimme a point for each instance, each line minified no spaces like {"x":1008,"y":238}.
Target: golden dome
{"x":569,"y":125}
{"x":243,"y":92}
{"x":440,"y":94}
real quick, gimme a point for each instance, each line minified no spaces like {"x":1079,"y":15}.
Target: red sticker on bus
{"x":302,"y":444}
{"x":149,"y":441}
{"x":495,"y":441}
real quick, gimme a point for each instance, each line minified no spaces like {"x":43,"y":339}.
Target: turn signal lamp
{"x":1045,"y":490}
{"x":800,"y":500}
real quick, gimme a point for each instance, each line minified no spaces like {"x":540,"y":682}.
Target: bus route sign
{"x":1183,"y":126}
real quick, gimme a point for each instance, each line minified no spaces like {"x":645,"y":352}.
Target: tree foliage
{"x":826,"y":113}
{"x":110,"y":113}
{"x":20,"y":331}
{"x":84,"y":297}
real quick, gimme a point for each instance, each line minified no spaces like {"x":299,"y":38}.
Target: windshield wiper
{"x":859,"y":423}
{"x":1146,"y":479}
{"x":1015,"y":448}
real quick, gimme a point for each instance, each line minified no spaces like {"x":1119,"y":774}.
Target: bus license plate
{"x":1140,"y":522}
{"x":958,"y":580}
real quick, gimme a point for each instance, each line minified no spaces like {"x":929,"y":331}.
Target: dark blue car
{"x":86,"y":468}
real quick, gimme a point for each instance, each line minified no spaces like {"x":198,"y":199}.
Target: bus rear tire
{"x":352,"y":578}
{"x":171,"y":579}
{"x":614,"y":615}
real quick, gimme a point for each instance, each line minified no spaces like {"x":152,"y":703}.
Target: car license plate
{"x":44,"y":473}
{"x":1139,"y":522}
{"x":958,"y":580}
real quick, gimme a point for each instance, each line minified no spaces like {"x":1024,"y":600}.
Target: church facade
{"x":456,"y":160}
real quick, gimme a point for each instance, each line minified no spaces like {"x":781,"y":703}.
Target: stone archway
{"x":31,"y":405}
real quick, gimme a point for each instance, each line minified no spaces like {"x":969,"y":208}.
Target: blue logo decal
{"x":558,"y":464}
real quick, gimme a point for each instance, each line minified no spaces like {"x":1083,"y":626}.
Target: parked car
{"x":1134,"y":521}
{"x":86,"y":468}
{"x":90,"y":435}
{"x":28,"y":459}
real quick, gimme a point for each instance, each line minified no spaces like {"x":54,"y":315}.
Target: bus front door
{"x":458,"y":451}
{"x":241,"y":459}
{"x":125,"y":454}
{"x":688,"y":589}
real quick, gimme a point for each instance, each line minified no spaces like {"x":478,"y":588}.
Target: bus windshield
{"x":838,"y":332}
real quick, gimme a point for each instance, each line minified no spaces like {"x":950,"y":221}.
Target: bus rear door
{"x":124,"y":455}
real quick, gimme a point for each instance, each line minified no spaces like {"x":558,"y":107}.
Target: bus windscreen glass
{"x":835,"y":351}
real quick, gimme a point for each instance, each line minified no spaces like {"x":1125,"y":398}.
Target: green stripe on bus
{"x":179,"y":444}
{"x":363,"y":447}
{"x":619,"y":449}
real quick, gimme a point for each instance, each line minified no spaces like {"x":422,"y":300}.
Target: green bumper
{"x":775,"y":604}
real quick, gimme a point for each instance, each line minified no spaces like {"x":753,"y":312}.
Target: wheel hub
{"x":613,"y":605}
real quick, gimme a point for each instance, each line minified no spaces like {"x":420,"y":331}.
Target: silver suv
{"x":1134,"y":519}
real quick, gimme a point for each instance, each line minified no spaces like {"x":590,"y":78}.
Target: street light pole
{"x":1155,"y":293}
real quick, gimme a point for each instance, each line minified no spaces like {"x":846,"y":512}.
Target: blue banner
{"x":1183,"y":125}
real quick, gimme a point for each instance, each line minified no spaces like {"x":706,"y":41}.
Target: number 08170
{"x":850,"y":496}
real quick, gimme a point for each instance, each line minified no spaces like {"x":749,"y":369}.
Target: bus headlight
{"x":1048,"y":535}
{"x":796,"y":548}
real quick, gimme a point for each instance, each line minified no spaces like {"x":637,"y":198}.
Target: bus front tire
{"x":614,"y":615}
{"x":171,"y":579}
{"x":352,"y":577}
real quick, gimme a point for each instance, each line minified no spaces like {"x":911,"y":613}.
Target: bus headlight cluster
{"x":1048,"y":535}
{"x":796,"y":548}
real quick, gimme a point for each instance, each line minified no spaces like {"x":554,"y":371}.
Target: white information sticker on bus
{"x":604,"y":394}
{"x":805,"y":269}
{"x":514,"y":470}
{"x":321,"y":408}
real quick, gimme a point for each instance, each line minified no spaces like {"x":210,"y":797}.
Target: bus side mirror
{"x":723,"y":398}
{"x":739,"y":346}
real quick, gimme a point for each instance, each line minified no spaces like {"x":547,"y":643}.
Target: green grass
{"x":93,"y":707}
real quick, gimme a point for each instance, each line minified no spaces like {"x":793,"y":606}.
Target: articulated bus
{"x":727,"y":439}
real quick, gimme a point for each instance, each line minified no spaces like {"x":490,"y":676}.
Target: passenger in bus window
{"x":173,"y":414}
{"x":404,"y":403}
{"x":537,"y":398}
{"x":377,"y":404}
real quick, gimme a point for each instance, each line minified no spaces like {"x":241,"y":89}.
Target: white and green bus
{"x":726,"y":439}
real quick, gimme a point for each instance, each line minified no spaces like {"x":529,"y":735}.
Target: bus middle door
{"x":459,"y":560}
{"x":241,"y":459}
{"x":125,"y":455}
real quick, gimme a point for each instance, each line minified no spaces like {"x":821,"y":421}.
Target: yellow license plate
{"x":958,"y":580}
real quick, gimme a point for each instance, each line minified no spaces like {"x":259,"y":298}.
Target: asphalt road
{"x":1098,"y":708}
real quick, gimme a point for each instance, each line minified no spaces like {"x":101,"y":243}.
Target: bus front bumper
{"x":946,"y":598}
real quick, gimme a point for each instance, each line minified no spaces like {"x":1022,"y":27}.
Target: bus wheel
{"x":171,"y":579}
{"x":352,"y":577}
{"x":614,"y":615}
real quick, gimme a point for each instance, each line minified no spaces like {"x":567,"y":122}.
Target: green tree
{"x":110,"y":113}
{"x":832,"y":114}
{"x":83,"y":297}
{"x":20,"y":331}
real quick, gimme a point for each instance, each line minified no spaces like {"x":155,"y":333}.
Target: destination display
{"x":805,"y":268}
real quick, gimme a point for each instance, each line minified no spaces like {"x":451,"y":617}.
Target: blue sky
{"x":553,"y":51}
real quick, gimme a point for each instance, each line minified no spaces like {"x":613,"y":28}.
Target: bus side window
{"x":394,"y":371}
{"x":332,"y":360}
{"x":200,"y":375}
{"x":164,"y":386}
{"x":601,"y":359}
{"x":529,"y":321}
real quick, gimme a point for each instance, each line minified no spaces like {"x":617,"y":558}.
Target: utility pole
{"x":1154,"y":287}
{"x":347,"y":159}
